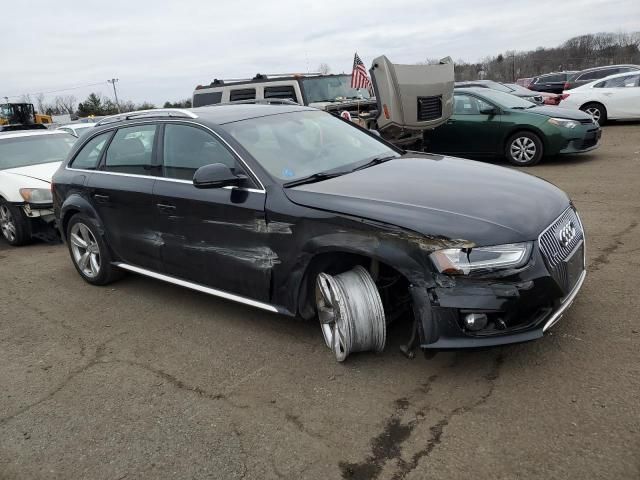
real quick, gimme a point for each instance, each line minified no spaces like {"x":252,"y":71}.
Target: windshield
{"x":34,"y":149}
{"x":298,"y":144}
{"x":506,"y":100}
{"x":331,"y":89}
{"x":500,"y":87}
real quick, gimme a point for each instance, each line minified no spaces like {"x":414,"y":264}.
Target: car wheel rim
{"x":523,"y":149}
{"x":594,"y":112}
{"x":7,"y":225}
{"x":85,"y":249}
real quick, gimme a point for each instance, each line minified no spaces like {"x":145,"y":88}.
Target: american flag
{"x":359,"y":76}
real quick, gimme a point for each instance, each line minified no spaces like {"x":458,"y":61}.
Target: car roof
{"x":212,"y":114}
{"x":609,"y":66}
{"x":29,"y":133}
{"x":77,"y":125}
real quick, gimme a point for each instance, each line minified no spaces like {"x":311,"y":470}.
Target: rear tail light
{"x":564,"y":96}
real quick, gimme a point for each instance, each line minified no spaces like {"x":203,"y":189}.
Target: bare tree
{"x":41,"y":105}
{"x":66,"y":104}
{"x":324,"y":68}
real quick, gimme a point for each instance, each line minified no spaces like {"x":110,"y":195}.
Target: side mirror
{"x":215,"y":175}
{"x":488,"y":111}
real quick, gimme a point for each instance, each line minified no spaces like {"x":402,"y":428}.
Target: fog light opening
{"x":475,"y":321}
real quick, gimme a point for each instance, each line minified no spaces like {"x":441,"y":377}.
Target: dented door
{"x":412,"y":98}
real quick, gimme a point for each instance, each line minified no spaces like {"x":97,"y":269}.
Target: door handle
{"x":166,"y":208}
{"x":101,"y":198}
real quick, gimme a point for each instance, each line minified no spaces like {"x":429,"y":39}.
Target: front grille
{"x":558,"y":242}
{"x":429,"y":108}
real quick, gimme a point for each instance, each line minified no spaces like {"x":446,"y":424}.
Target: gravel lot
{"x":146,"y":380}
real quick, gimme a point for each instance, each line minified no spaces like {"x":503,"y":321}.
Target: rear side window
{"x":89,"y":156}
{"x":620,"y":82}
{"x":188,"y":148}
{"x":202,"y":99}
{"x":242,"y":94}
{"x":131,"y":150}
{"x":286,"y":92}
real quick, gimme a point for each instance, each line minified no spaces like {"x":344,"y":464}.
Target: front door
{"x":121,"y":190}
{"x":210,"y":236}
{"x":622,"y":96}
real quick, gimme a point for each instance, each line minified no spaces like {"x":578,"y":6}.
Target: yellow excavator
{"x":21,"y":116}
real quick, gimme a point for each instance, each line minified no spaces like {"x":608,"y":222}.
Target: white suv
{"x":28,"y":160}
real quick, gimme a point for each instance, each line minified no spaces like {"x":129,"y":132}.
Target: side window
{"x":89,"y":156}
{"x":242,"y":94}
{"x":210,"y":98}
{"x":465,"y":105}
{"x":131,"y":150}
{"x":188,"y":148}
{"x":589,"y":76}
{"x":286,"y":92}
{"x":622,"y":82}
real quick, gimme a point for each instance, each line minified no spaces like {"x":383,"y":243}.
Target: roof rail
{"x":258,"y":101}
{"x":155,"y":112}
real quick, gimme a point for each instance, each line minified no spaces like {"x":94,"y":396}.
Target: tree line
{"x":95,"y":104}
{"x":577,"y":53}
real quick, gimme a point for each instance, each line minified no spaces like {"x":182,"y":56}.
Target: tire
{"x":89,"y":252}
{"x":524,"y":149}
{"x":15,"y":226}
{"x":597,"y":111}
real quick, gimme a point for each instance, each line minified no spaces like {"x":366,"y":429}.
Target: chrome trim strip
{"x":566,"y":303}
{"x":171,"y":120}
{"x":197,"y":287}
{"x":162,"y":179}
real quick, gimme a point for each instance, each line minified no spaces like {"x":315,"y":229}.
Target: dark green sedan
{"x":491,"y":123}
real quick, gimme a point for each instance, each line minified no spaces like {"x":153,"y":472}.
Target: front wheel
{"x":89,"y":252}
{"x":524,"y":149}
{"x":14,"y":224}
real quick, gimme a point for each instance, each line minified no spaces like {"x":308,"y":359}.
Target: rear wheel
{"x":89,"y":252}
{"x":524,"y":149}
{"x":597,"y":111}
{"x":14,"y":224}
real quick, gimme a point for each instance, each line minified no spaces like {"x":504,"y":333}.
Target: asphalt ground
{"x":145,"y":380}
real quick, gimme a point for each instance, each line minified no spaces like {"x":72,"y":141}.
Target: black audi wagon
{"x":293,"y":210}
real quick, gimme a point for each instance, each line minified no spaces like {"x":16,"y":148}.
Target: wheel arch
{"x":75,"y":203}
{"x":526,"y":128}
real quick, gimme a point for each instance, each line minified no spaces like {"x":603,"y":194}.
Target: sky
{"x":160,"y":50}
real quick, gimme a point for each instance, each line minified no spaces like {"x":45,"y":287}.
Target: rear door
{"x":470,"y":130}
{"x":121,"y":191}
{"x":212,"y":236}
{"x":412,"y":97}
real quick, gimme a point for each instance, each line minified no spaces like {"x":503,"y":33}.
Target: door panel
{"x":125,"y":205}
{"x":215,"y":237}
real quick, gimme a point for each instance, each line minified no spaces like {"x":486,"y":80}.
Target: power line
{"x":55,"y":91}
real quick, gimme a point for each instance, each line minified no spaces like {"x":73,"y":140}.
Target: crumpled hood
{"x":442,"y":196}
{"x":43,"y":172}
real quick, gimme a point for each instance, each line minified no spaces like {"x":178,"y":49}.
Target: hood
{"x":442,"y":196}
{"x":559,"y":112}
{"x":43,"y":171}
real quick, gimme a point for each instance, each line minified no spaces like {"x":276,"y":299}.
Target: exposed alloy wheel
{"x":14,"y":226}
{"x":85,"y":250}
{"x":89,"y":252}
{"x":524,"y":149}
{"x":597,"y":111}
{"x":351,"y":313}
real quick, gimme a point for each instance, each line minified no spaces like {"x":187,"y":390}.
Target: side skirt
{"x":202,"y":288}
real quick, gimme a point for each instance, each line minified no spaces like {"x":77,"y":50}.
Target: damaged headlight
{"x":36,"y":195}
{"x":463,"y":261}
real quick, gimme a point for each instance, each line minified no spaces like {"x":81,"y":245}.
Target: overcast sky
{"x":160,"y":50}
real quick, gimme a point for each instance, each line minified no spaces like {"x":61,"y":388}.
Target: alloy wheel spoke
{"x":84,"y":260}
{"x":94,"y":263}
{"x":77,"y":241}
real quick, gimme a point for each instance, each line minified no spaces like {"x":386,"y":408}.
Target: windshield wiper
{"x":375,"y":161}
{"x":316,"y":177}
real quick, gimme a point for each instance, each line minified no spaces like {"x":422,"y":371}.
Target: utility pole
{"x":115,"y":94}
{"x":6,"y":99}
{"x":514,"y":67}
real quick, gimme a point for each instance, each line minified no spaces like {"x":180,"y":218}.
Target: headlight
{"x":463,"y":261}
{"x":36,"y":195}
{"x":563,"y":122}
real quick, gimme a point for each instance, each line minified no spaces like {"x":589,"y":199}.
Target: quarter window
{"x":188,"y":148}
{"x":131,"y":150}
{"x":210,"y":98}
{"x":89,"y":156}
